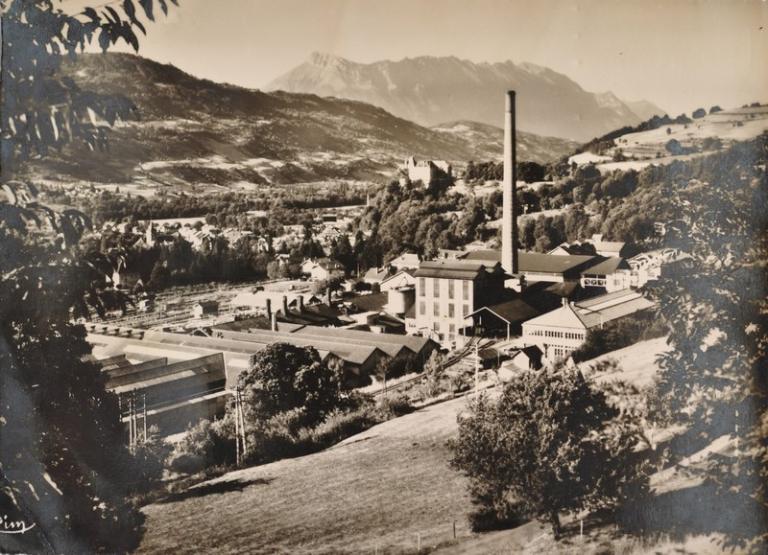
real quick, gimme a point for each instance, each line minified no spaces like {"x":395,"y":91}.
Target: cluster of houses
{"x":328,"y":226}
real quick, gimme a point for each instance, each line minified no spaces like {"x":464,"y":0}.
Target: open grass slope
{"x":391,"y":487}
{"x":376,"y":491}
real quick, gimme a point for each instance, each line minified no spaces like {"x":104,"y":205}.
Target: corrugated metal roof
{"x":595,"y":311}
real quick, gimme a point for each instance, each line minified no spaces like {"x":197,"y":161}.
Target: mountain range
{"x":194,"y":130}
{"x":431,"y":90}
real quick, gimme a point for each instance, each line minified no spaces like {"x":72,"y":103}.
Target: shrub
{"x":205,"y":444}
{"x":341,"y":425}
{"x":393,"y":406}
{"x":489,"y":513}
{"x":149,"y":458}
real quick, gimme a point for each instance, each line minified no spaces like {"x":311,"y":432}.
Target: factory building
{"x":560,"y":332}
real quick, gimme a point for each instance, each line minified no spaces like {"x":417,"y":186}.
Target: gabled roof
{"x":405,"y":271}
{"x":512,"y":311}
{"x":594,"y":311}
{"x":563,"y":317}
{"x":457,"y":269}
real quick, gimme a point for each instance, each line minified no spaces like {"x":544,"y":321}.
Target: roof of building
{"x":607,"y":266}
{"x":377,"y":274}
{"x":457,"y":269}
{"x":208,"y":304}
{"x":406,"y":259}
{"x":405,"y":271}
{"x":610,"y":246}
{"x":413,"y":342}
{"x":574,"y":249}
{"x":536,"y":262}
{"x":595,"y":311}
{"x":512,"y":311}
{"x":370,"y":303}
{"x":356,"y":353}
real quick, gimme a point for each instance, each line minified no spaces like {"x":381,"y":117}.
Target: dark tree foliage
{"x":63,"y":465}
{"x":286,"y":378}
{"x":716,"y":376}
{"x":699,"y":113}
{"x":551,"y":444}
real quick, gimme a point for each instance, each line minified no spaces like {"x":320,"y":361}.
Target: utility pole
{"x":144,"y":415}
{"x":237,"y":431}
{"x":477,"y":370}
{"x":241,"y":415}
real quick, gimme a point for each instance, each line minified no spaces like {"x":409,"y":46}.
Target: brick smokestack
{"x":509,"y":188}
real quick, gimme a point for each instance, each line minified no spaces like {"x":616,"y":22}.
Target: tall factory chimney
{"x":509,"y":185}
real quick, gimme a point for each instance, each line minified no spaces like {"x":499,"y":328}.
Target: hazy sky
{"x":679,"y":54}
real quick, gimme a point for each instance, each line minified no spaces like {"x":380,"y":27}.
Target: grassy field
{"x":377,"y":492}
{"x":391,"y":490}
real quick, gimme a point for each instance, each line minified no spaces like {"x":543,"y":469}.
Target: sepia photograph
{"x":384,"y":277}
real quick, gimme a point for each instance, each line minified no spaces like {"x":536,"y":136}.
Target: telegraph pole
{"x":237,"y":429}
{"x":144,"y":415}
{"x":477,"y":370}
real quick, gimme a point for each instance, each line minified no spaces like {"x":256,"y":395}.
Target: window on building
{"x":466,"y":311}
{"x":422,"y":287}
{"x":452,"y":328}
{"x":436,"y":326}
{"x":450,"y":288}
{"x":436,"y":309}
{"x":422,"y":308}
{"x":435,"y":288}
{"x":465,"y":290}
{"x":451,"y":312}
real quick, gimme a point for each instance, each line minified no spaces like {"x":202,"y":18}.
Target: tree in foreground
{"x":714,"y":380}
{"x":551,"y":444}
{"x":63,"y":466}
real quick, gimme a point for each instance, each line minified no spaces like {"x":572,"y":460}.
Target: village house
{"x":201,"y":309}
{"x":322,"y":269}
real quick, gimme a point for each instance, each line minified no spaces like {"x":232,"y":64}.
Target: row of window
{"x":436,"y":309}
{"x":558,"y":334}
{"x":562,"y":352}
{"x":451,"y":328}
{"x":451,"y":288}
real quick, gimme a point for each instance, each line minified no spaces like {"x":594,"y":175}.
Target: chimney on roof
{"x":301,"y":303}
{"x":285,"y":305}
{"x":509,"y":187}
{"x":328,"y":296}
{"x":269,"y":309}
{"x":273,"y":321}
